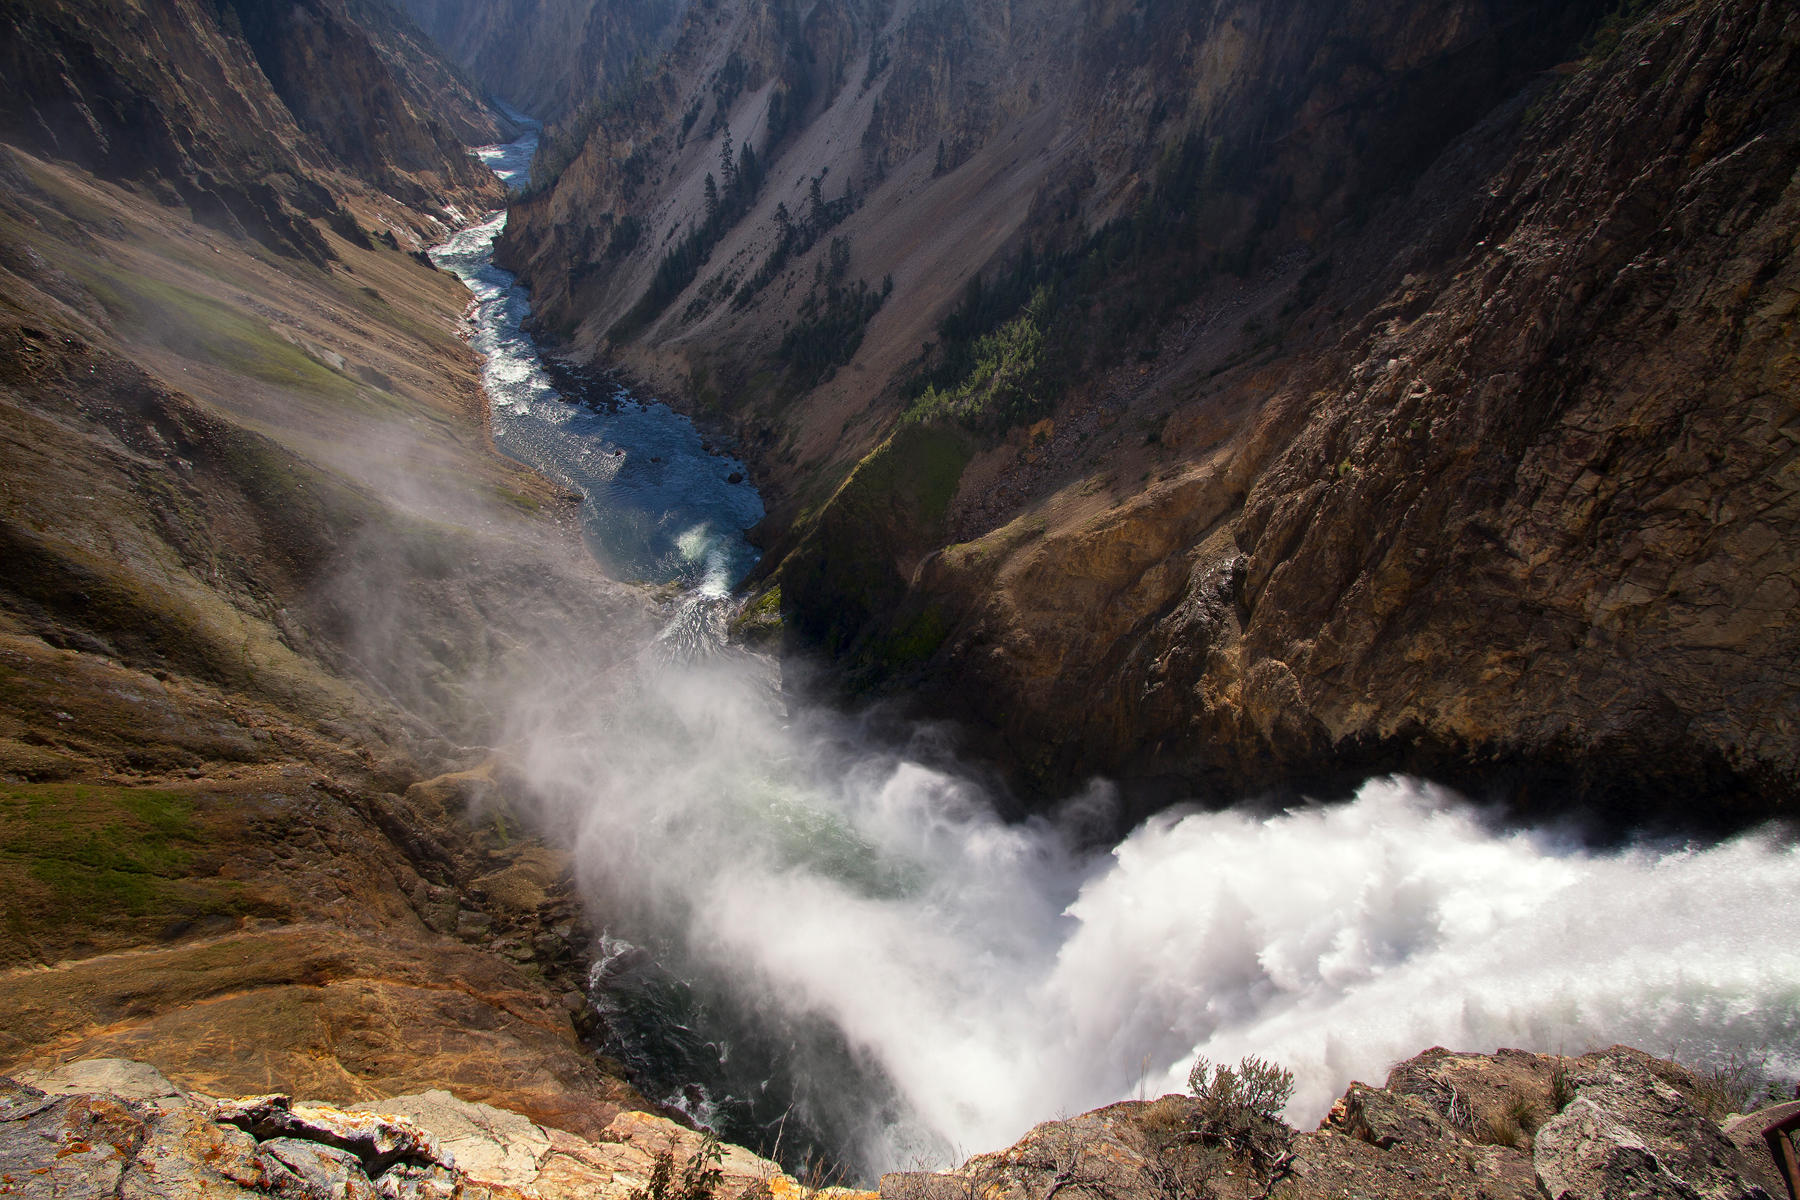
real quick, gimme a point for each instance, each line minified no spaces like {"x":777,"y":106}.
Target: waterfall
{"x":860,"y":956}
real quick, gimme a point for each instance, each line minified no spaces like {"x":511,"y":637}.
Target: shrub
{"x":1742,"y":1083}
{"x":698,"y":1178}
{"x":1240,"y":1109}
{"x":1513,"y":1124}
{"x":1256,"y":1088}
{"x":1562,"y":1087}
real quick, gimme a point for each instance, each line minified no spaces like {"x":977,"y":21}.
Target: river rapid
{"x":826,"y":941}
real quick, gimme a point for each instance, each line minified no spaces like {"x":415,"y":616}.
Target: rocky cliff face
{"x":362,"y":81}
{"x":545,"y":58}
{"x":1344,"y":389}
{"x":264,"y":579}
{"x":114,"y":1126}
{"x":1535,"y":501}
{"x":260,"y":118}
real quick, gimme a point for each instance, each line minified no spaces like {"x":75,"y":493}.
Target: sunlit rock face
{"x":1408,"y":390}
{"x":258,"y":118}
{"x":1510,"y":1126}
{"x":98,"y":1125}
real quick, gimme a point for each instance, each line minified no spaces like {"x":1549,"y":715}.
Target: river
{"x":849,"y":952}
{"x":658,"y":503}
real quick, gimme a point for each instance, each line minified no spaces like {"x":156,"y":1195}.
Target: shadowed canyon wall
{"x":547,"y":57}
{"x":1230,"y":396}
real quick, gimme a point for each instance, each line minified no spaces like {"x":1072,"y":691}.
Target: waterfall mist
{"x":939,"y":980}
{"x":837,"y":930}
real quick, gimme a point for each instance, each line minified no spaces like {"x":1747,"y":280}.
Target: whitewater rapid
{"x":854,"y":943}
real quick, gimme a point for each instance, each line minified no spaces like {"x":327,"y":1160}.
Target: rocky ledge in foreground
{"x":113,"y":1127}
{"x":1612,"y":1125}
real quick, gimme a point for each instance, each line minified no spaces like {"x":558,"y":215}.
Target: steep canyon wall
{"x":1232,"y":396}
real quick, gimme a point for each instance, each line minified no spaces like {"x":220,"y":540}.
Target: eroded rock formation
{"x":1611,"y":1125}
{"x":261,"y":570}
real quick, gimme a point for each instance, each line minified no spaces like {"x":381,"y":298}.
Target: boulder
{"x":114,"y":1127}
{"x":71,"y":1147}
{"x":120,"y":1077}
{"x":1629,"y":1134}
{"x":1747,"y":1133}
{"x":312,"y":1169}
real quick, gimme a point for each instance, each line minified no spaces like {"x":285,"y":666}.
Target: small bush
{"x":698,"y":1178}
{"x":1562,"y":1088}
{"x":1256,"y":1088}
{"x":1741,"y":1084}
{"x":1513,"y":1125}
{"x":1240,"y":1110}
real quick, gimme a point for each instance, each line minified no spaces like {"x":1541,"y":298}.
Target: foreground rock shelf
{"x":1613,"y":1124}
{"x":114,"y":1127}
{"x":1604,"y":1126}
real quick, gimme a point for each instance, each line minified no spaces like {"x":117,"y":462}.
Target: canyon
{"x":1171,"y":419}
{"x":1347,"y":390}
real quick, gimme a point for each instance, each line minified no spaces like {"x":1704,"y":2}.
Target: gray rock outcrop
{"x":1628,"y":1133}
{"x":1504,"y":1126}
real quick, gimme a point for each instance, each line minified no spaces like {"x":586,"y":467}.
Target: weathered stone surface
{"x":406,"y":1182}
{"x":72,"y":1146}
{"x":377,"y":1142}
{"x":1628,"y":1133}
{"x":486,"y":1143}
{"x":1445,"y":1125}
{"x":337,"y":1014}
{"x":1630,"y":1130}
{"x":121,"y":1077}
{"x":315,"y":1171}
{"x":190,"y":1155}
{"x":648,"y":1135}
{"x":162,"y":1143}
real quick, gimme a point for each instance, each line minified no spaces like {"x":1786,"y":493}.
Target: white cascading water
{"x":992,"y":977}
{"x":996,"y":978}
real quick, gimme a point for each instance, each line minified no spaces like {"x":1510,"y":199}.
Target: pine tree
{"x":749,"y":172}
{"x":712,"y":199}
{"x":728,"y":164}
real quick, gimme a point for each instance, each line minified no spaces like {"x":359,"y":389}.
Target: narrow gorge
{"x":988,"y":552}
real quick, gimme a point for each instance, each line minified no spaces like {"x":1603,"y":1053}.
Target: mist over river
{"x":864,"y":956}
